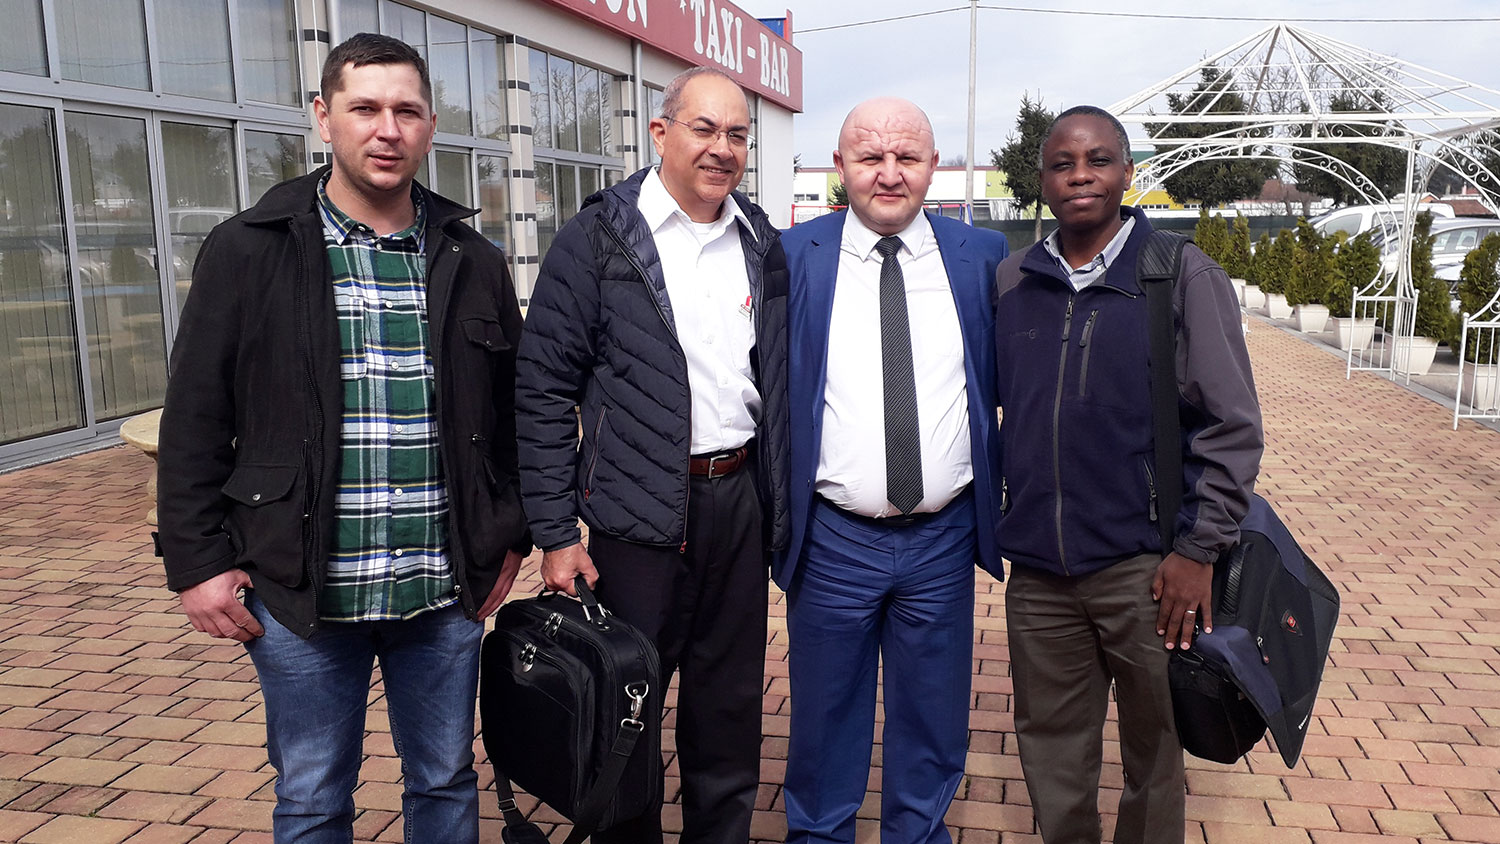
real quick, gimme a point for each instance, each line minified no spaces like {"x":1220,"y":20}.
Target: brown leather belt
{"x":718,"y":465}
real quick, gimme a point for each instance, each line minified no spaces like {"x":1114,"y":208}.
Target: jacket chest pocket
{"x":486,"y":333}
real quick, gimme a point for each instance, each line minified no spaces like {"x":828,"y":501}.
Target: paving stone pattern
{"x":119,"y":723}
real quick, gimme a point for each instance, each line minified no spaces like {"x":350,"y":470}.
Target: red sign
{"x":706,"y":32}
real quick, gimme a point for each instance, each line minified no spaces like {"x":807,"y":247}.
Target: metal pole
{"x":969,"y":149}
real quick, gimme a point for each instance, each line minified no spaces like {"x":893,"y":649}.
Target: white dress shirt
{"x":709,"y":290}
{"x":851,"y":461}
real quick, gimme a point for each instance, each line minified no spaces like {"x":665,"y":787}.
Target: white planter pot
{"x":1353,"y":333}
{"x":1312,"y":318}
{"x":1276,"y":306}
{"x":1239,"y":289}
{"x":1253,"y":298}
{"x":1414,"y":355}
{"x":1480,"y":393}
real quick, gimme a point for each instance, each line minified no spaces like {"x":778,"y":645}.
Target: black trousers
{"x":705,"y":606}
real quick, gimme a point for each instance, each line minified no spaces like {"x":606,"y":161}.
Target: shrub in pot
{"x":1478,"y":282}
{"x":1358,"y":262}
{"x":1237,"y":255}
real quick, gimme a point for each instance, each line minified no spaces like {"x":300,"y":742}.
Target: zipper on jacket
{"x":1083,"y":344}
{"x":687,"y":481}
{"x":1004,"y":495}
{"x":1151,"y":488}
{"x":588,"y":482}
{"x":1062,"y":368}
{"x":314,"y":456}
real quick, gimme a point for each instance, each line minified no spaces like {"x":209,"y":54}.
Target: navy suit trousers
{"x":864,"y":595}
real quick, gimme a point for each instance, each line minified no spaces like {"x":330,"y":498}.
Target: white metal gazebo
{"x":1286,"y":78}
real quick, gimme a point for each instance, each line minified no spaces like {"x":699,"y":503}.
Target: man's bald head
{"x":885,"y":114}
{"x":886,"y":159}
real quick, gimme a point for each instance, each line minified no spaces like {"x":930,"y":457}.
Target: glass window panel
{"x":567,"y":193}
{"x":588,"y":182}
{"x":655,"y":99}
{"x":40,"y":386}
{"x":541,"y":99}
{"x":271,"y":158}
{"x":564,"y":103}
{"x":113,"y":221}
{"x":613,"y":177}
{"x":192,"y":39}
{"x":199,"y":165}
{"x":546,"y":208}
{"x":607,"y":114}
{"x":489,"y":98}
{"x":589,"y":116}
{"x":268,"y":50}
{"x":423,"y":174}
{"x":449,"y":68}
{"x":406,"y":23}
{"x":494,"y":200}
{"x":103,"y":41}
{"x":453,"y":177}
{"x":356,"y":16}
{"x":23,"y":47}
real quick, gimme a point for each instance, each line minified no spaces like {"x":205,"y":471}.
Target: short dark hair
{"x":370,"y":48}
{"x":1086,"y":111}
{"x":671,"y":101}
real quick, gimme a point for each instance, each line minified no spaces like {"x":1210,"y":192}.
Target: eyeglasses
{"x":708,"y":134}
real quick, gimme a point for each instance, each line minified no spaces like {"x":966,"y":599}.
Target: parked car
{"x":1452,"y":241}
{"x":1357,"y":219}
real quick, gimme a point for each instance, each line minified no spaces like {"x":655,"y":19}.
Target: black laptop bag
{"x":571,"y":712}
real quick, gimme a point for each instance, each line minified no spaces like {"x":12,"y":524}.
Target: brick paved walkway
{"x":119,"y":723}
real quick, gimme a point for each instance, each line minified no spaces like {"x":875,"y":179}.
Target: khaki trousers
{"x":1069,"y":638}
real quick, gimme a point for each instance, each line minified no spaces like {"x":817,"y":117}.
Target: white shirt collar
{"x":658,"y":207}
{"x":860,"y":240}
{"x":1102,"y":261}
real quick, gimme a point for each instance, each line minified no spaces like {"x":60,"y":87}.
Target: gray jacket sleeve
{"x":1223,"y":438}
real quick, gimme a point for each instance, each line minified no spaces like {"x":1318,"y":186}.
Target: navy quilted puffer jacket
{"x":599,"y":336}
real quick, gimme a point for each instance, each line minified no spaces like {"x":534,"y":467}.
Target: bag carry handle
{"x":592,"y":609}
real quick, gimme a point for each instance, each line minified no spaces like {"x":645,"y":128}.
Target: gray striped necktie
{"x":903,"y":443}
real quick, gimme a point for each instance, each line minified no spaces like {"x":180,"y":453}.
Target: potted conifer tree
{"x":1434,"y":313}
{"x":1478,"y":286}
{"x":1282,"y":263}
{"x":1316,"y":265}
{"x":1253,"y":298}
{"x":1359,"y":265}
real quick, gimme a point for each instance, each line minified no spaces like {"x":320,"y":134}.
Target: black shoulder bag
{"x":1273,"y":610}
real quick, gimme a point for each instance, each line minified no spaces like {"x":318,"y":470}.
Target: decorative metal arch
{"x":1288,"y":77}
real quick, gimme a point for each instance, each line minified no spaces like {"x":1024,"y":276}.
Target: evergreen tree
{"x":1213,"y":183}
{"x":1383,"y":165}
{"x":1020,"y":160}
{"x":1359,"y":264}
{"x":1478,"y":282}
{"x":838,"y":195}
{"x":1260,"y":261}
{"x":1237,"y":255}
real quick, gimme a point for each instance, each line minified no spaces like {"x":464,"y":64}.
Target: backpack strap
{"x":1157,"y":267}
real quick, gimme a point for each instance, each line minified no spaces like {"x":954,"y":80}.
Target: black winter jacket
{"x":600,"y":336}
{"x":249,"y":444}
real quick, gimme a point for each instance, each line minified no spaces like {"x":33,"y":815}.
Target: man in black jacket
{"x":338,"y":444}
{"x":661,"y":313}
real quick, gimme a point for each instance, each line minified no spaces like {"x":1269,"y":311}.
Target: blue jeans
{"x":315,"y":692}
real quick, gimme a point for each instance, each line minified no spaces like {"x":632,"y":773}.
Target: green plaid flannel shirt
{"x":389,"y":555}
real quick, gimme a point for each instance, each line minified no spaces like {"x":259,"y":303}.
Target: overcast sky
{"x":1070,"y":59}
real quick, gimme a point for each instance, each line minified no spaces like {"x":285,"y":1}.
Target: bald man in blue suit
{"x":895,"y":489}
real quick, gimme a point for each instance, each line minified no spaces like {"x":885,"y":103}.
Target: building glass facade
{"x":130,"y":128}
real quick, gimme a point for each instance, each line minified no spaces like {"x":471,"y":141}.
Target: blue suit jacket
{"x":970,"y":256}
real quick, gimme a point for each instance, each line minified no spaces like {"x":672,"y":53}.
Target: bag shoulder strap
{"x":1157,"y":266}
